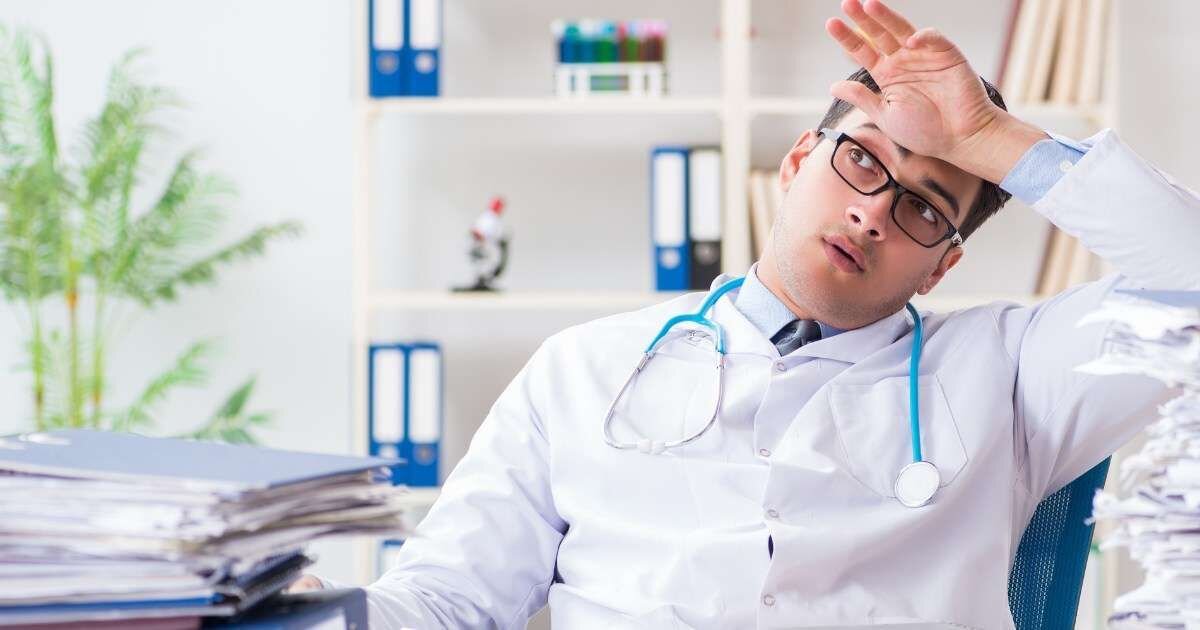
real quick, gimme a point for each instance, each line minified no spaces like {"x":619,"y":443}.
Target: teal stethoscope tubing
{"x":700,"y":317}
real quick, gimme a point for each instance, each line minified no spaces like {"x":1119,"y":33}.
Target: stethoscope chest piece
{"x":917,"y":483}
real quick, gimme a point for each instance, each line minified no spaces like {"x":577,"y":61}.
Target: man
{"x":784,"y":513}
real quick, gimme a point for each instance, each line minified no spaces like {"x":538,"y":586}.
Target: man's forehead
{"x":961,"y":183}
{"x":858,"y":125}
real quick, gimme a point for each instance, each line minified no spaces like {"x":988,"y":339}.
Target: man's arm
{"x":484,"y":555}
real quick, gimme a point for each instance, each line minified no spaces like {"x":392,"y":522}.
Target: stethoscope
{"x":916,"y":483}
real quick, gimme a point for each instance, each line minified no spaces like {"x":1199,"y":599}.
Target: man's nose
{"x":869,"y":215}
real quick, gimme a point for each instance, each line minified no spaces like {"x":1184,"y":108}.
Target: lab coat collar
{"x":742,"y":336}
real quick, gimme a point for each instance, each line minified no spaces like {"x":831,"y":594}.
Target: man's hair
{"x":991,"y":197}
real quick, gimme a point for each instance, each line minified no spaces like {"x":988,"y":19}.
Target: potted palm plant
{"x":77,"y":255}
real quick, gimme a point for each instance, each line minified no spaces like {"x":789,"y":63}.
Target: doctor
{"x":785,"y":512}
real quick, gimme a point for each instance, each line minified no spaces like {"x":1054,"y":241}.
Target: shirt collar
{"x":766,"y":311}
{"x":849,"y":346}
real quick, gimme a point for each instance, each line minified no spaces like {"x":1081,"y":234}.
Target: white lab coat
{"x":805,"y":451}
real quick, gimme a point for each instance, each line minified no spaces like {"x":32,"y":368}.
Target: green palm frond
{"x":111,"y":154}
{"x":26,"y":100}
{"x":230,"y":423}
{"x":185,"y":215}
{"x":203,"y":271}
{"x":30,"y":233}
{"x":31,"y":188}
{"x":187,"y":371}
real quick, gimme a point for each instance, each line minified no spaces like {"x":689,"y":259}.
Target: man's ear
{"x":796,"y":156}
{"x":949,"y":259}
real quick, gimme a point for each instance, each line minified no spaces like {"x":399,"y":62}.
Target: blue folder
{"x":670,"y":245}
{"x":387,"y":52}
{"x":423,"y":57}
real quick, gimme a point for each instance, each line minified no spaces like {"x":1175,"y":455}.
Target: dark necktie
{"x":796,"y":334}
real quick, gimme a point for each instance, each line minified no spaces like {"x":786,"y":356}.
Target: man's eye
{"x":927,"y":212}
{"x":859,"y":157}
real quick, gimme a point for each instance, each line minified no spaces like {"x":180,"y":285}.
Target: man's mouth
{"x":843,"y":253}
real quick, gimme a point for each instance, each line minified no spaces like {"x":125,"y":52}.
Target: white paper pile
{"x":99,"y":525}
{"x":1158,"y":518}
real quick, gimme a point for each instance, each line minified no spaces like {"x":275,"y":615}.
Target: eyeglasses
{"x":865,"y":173}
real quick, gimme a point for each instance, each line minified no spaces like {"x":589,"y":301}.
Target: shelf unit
{"x":735,"y":108}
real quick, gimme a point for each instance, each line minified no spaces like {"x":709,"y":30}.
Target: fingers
{"x":884,"y":41}
{"x":930,"y":38}
{"x":860,"y":96}
{"x":305,"y":583}
{"x":852,"y":43}
{"x":895,"y":23}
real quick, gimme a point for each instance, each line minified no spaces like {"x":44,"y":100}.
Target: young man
{"x":785,"y":512}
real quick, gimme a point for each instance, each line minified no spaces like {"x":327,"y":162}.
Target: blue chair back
{"x":1047,"y":573}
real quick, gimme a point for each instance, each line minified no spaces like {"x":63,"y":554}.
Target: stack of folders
{"x":686,"y":216}
{"x":1157,"y":334}
{"x":122,"y":529}
{"x":405,"y":47}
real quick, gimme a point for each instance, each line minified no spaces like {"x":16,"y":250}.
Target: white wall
{"x":268,"y":83}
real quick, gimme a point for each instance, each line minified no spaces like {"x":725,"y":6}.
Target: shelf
{"x":547,"y":105}
{"x":613,"y":301}
{"x":1093,"y":114}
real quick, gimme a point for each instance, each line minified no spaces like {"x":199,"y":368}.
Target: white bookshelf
{"x":735,"y":105}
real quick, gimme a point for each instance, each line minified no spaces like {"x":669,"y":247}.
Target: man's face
{"x":822,"y":219}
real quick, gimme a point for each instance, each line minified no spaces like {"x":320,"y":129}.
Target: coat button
{"x":768,"y":600}
{"x":780,"y":366}
{"x":772,"y":513}
{"x":763,"y":452}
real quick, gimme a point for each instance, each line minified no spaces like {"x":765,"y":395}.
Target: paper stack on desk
{"x":1157,"y":333}
{"x":97,"y":525}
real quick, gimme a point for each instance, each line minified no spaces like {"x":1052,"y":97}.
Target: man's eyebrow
{"x":904,"y":153}
{"x":938,"y":190}
{"x":927,"y":182}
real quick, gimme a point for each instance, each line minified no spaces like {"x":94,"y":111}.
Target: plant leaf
{"x":229,"y":423}
{"x":186,"y":371}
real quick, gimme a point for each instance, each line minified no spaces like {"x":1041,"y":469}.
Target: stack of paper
{"x":97,"y":525}
{"x":1158,"y":334}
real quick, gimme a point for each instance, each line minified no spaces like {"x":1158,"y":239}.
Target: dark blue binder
{"x":424,"y":411}
{"x":669,"y":218}
{"x":340,"y":608}
{"x":423,"y":54}
{"x":386,"y":424}
{"x":387,"y":52}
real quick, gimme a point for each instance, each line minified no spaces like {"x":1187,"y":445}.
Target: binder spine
{"x":705,"y":217}
{"x":669,"y":218}
{"x":423,"y":56}
{"x":424,"y":411}
{"x":385,"y":42}
{"x":386,"y":423}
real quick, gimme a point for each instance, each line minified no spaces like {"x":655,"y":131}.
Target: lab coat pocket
{"x":872,"y":421}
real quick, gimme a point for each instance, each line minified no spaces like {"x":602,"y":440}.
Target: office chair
{"x":1047,"y":573}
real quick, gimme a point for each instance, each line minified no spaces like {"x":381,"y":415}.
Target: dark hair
{"x":991,"y":197}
